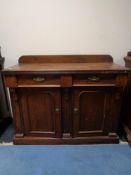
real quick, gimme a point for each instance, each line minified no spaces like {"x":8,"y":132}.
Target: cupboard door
{"x":96,"y":111}
{"x":40,"y":110}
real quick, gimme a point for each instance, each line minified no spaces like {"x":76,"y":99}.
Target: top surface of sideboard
{"x":66,"y":64}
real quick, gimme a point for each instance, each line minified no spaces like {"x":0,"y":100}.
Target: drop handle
{"x":39,"y":79}
{"x":76,"y":109}
{"x":57,"y":109}
{"x":94,"y":78}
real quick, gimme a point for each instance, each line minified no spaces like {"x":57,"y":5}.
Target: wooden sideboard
{"x":5,"y":116}
{"x":127,"y":112}
{"x":69,"y":99}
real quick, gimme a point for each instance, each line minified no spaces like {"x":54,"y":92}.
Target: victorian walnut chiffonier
{"x":66,"y":99}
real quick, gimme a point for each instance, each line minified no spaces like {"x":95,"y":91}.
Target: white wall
{"x":65,"y":27}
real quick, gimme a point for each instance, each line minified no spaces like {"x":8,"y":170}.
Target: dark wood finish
{"x":82,"y":140}
{"x":44,"y":80}
{"x":128,"y":60}
{"x":96,"y":111}
{"x":129,"y":53}
{"x":127,"y":112}
{"x":72,"y":103}
{"x":45,"y":121}
{"x":5,"y":117}
{"x":65,"y":59}
{"x":66,"y":68}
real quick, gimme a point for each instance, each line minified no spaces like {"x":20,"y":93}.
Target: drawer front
{"x":66,"y":81}
{"x":38,"y":80}
{"x":94,"y":79}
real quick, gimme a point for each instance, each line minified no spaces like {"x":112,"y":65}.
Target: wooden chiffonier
{"x":70,"y":99}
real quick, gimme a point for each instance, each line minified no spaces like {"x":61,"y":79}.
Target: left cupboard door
{"x":41,"y":111}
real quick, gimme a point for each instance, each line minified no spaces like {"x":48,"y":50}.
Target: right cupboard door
{"x":96,"y":111}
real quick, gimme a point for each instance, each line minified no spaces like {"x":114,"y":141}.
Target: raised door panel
{"x":40,"y":109}
{"x":94,"y":110}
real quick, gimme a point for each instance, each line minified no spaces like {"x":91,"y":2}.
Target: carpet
{"x":106,"y":159}
{"x":7,"y":135}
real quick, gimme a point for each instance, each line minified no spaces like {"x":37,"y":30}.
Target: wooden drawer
{"x":92,"y":79}
{"x":38,"y":80}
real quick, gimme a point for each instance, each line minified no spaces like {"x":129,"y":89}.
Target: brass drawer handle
{"x":39,"y":79}
{"x":94,"y":78}
{"x":57,"y":109}
{"x":76,"y":109}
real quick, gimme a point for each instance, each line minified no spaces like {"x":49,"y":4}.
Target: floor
{"x":7,"y":137}
{"x":103,"y":159}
